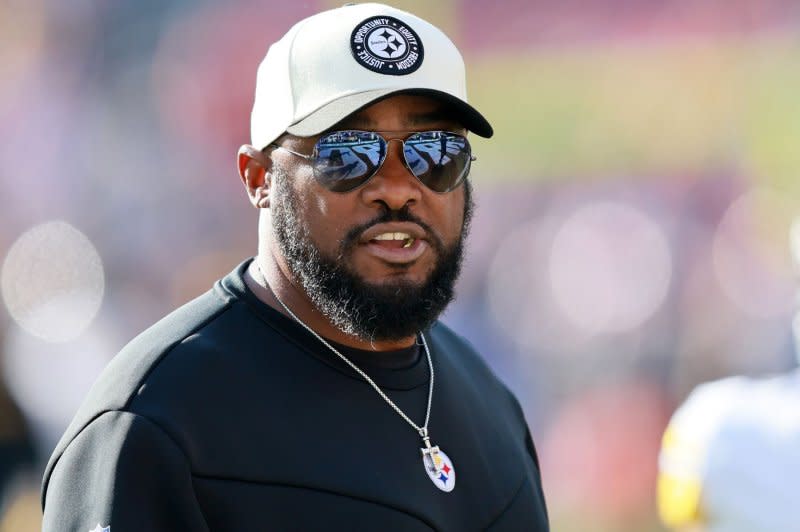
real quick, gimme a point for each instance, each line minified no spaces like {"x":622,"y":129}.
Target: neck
{"x":269,"y":280}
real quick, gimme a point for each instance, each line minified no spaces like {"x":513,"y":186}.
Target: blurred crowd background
{"x":631,"y":238}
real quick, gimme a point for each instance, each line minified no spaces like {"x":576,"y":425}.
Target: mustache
{"x":351,"y":238}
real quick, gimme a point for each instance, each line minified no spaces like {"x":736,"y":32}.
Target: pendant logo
{"x":387,"y":46}
{"x":439,"y":468}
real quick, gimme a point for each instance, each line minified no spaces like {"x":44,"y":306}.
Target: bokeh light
{"x":610,"y":267}
{"x":517,"y":288}
{"x":52,"y":281}
{"x":751,"y":256}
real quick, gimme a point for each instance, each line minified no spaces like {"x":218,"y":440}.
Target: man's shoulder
{"x":728,"y":434}
{"x":129,"y":371}
{"x":463,"y":360}
{"x":740,"y":396}
{"x":134,"y":364}
{"x":453,"y":345}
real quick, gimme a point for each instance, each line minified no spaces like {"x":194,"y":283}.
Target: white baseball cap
{"x":334,"y":63}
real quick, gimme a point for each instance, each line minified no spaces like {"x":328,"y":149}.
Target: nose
{"x":394,"y":184}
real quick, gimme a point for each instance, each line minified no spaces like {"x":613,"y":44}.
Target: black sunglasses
{"x":345,"y":160}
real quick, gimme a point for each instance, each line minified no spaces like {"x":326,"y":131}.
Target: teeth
{"x":393,"y":236}
{"x":407,"y":239}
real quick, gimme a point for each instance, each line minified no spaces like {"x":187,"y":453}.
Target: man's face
{"x":335,"y":244}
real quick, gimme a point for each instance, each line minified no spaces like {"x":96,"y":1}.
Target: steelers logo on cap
{"x":387,"y":46}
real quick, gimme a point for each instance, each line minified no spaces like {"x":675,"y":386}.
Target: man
{"x":729,"y":459}
{"x":312,"y":388}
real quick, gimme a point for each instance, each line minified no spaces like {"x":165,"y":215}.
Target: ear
{"x":254,"y":169}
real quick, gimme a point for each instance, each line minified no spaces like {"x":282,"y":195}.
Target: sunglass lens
{"x":439,"y":159}
{"x":346,"y":159}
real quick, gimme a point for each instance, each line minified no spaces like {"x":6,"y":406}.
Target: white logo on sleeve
{"x":99,"y":528}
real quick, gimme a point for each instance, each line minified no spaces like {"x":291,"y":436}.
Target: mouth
{"x":395,"y":245}
{"x":394,"y":240}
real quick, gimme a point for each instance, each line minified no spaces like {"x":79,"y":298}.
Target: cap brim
{"x":331,"y":114}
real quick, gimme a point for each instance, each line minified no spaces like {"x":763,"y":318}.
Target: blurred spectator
{"x":730,"y":457}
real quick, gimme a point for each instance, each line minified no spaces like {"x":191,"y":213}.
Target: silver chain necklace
{"x":437,"y":464}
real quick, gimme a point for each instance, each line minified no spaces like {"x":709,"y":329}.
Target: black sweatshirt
{"x":227,"y":415}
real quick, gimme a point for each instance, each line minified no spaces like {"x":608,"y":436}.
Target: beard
{"x":388,"y":311}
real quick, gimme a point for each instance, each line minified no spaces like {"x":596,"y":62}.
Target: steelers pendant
{"x":439,"y":467}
